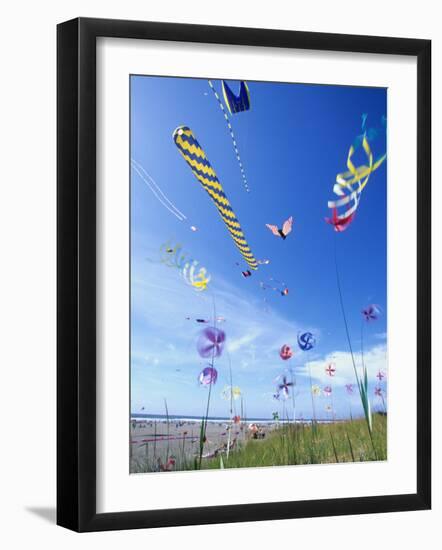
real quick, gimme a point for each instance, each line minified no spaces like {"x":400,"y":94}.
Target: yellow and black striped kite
{"x":195,"y":157}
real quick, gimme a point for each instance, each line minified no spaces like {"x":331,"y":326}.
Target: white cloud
{"x":375,"y":359}
{"x":162,"y":301}
{"x":242,"y":341}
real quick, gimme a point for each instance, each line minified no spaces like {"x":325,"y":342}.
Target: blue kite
{"x":236,"y":103}
{"x":306,"y":341}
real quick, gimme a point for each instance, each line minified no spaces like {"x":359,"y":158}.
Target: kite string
{"x":157,"y":187}
{"x":232,"y":135}
{"x":153,"y":186}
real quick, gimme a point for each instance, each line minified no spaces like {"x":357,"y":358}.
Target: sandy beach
{"x":157,"y":444}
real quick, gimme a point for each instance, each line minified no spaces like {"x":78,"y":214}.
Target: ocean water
{"x":189,"y":418}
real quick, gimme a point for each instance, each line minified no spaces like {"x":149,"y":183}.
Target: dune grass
{"x":291,"y":444}
{"x":318,"y":444}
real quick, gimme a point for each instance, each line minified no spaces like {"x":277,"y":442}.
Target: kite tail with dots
{"x":232,"y":135}
{"x":195,"y":157}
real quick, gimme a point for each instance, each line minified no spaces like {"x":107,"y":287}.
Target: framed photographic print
{"x":243,"y":274}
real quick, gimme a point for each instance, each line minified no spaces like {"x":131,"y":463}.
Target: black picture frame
{"x":77,"y":287}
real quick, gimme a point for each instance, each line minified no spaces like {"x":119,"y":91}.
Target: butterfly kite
{"x":286,"y":228}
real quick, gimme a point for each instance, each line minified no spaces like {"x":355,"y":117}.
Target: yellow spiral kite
{"x":195,"y":157}
{"x":349,"y":185}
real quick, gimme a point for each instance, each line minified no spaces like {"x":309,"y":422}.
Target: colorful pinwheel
{"x":378,"y":391}
{"x":371,"y":312}
{"x":331,"y":369}
{"x":316,"y":390}
{"x":327,"y":391}
{"x":285,"y":352}
{"x":211,"y":342}
{"x":349,"y":389}
{"x":231,"y":392}
{"x":283,"y":388}
{"x":380,"y":376}
{"x":169,"y":466}
{"x":207,"y":376}
{"x":306,"y":341}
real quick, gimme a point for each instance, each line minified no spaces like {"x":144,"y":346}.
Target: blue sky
{"x":292,"y":142}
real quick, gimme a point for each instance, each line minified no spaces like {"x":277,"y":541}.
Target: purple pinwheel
{"x":211,"y":342}
{"x":380,"y":376}
{"x":371,"y":312}
{"x":349,"y":388}
{"x":327,"y":391}
{"x":378,"y":391}
{"x":283,"y":388}
{"x":207,"y":376}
